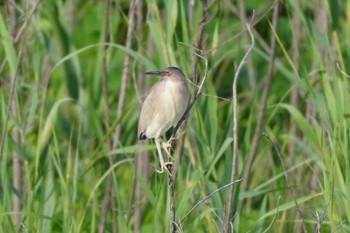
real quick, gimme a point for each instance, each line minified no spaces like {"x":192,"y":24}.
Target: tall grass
{"x":54,"y":71}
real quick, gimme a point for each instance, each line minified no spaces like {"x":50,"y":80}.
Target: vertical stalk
{"x":229,"y":199}
{"x":141,"y":158}
{"x":107,"y":199}
{"x":245,"y":39}
{"x":109,"y":194}
{"x":266,"y":93}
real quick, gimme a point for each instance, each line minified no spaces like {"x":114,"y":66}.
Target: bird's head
{"x":169,"y":72}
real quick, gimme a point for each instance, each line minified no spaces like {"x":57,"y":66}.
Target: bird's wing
{"x":149,"y":110}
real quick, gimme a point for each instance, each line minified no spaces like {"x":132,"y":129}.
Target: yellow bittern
{"x":162,"y":109}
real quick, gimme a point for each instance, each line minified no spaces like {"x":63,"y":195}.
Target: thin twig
{"x":261,"y":114}
{"x":171,"y":186}
{"x":208,"y":95}
{"x":26,"y":22}
{"x":253,"y":23}
{"x":19,"y":34}
{"x":217,"y":215}
{"x":12,"y":108}
{"x":199,"y":92}
{"x":319,"y":221}
{"x":107,"y":199}
{"x":203,"y":55}
{"x":178,"y":227}
{"x":320,"y":218}
{"x":228,"y":211}
{"x":339,"y":226}
{"x":294,"y":99}
{"x":13,"y":79}
{"x":125,"y":74}
{"x":216,"y":97}
{"x":245,"y":40}
{"x":342,"y":71}
{"x":276,"y":148}
{"x":201,"y":38}
{"x":17,"y":180}
{"x":104,"y":65}
{"x":141,"y":158}
{"x":274,"y":217}
{"x":207,"y":197}
{"x":191,"y":46}
{"x":12,"y":17}
{"x":120,"y":110}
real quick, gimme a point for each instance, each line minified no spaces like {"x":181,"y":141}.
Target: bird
{"x":162,"y":109}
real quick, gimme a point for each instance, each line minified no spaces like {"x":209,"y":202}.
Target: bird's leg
{"x":167,"y":146}
{"x":159,"y":150}
{"x":161,"y":160}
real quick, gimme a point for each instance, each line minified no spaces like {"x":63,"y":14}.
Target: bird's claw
{"x":167,"y":146}
{"x":170,"y":141}
{"x":165,"y":167}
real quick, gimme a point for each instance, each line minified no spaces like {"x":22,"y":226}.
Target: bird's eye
{"x":170,"y":73}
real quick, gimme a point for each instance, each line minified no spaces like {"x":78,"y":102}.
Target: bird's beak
{"x":158,"y":73}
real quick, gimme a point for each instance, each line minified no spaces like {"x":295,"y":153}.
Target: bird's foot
{"x":169,"y":142}
{"x":166,"y":166}
{"x":167,"y":146}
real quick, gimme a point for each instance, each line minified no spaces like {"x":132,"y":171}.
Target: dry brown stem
{"x":260,"y":120}
{"x":201,"y":38}
{"x":107,"y":198}
{"x":109,"y":194}
{"x":295,"y":93}
{"x":141,"y":158}
{"x":12,"y":108}
{"x":228,"y":204}
{"x":245,"y":39}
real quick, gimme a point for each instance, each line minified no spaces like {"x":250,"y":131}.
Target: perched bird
{"x":163,"y":108}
